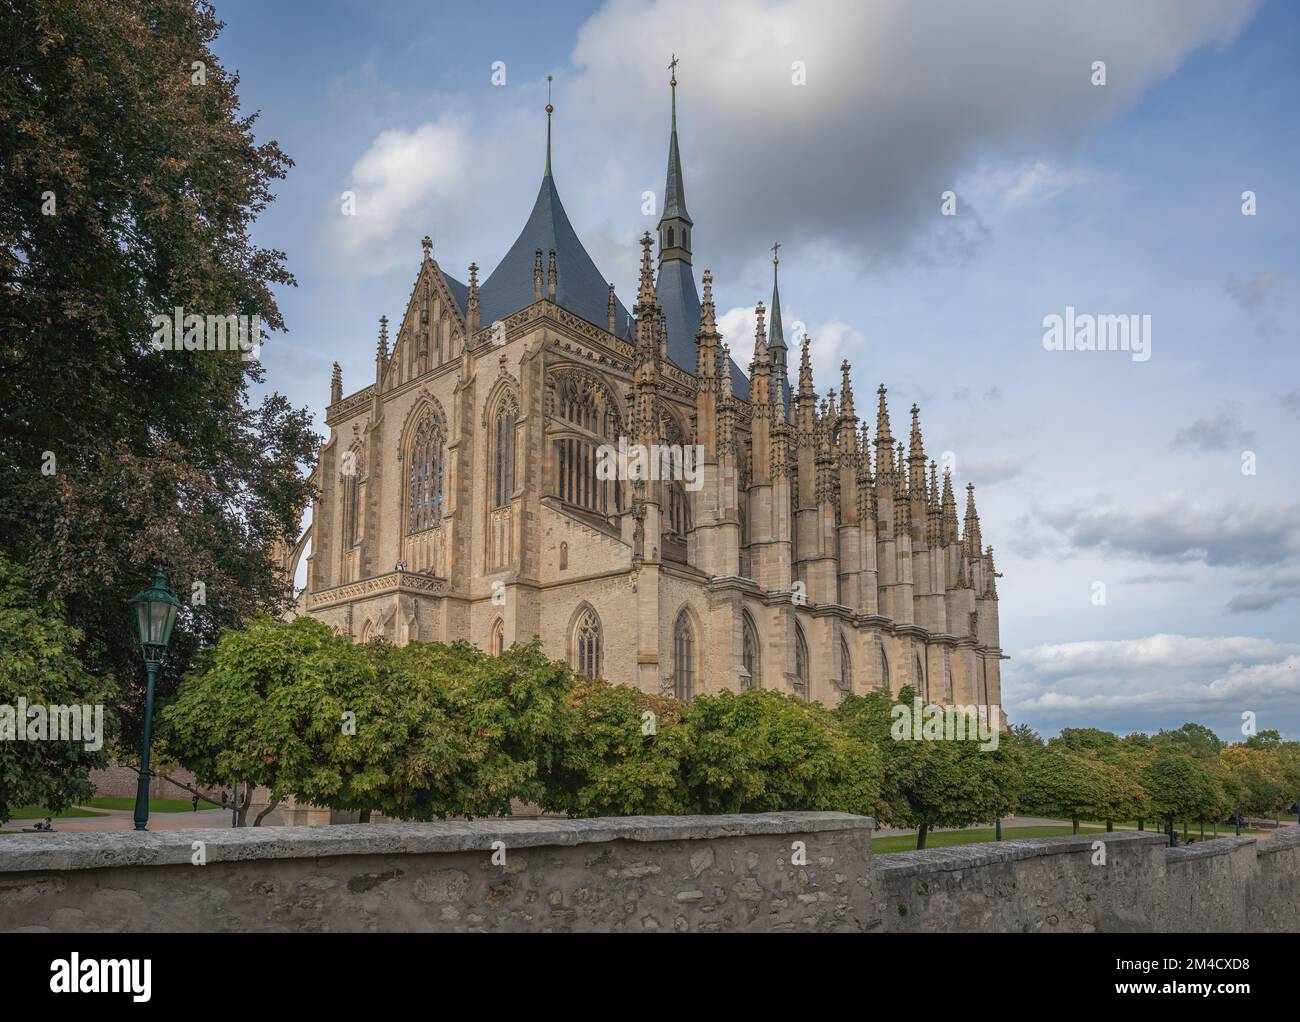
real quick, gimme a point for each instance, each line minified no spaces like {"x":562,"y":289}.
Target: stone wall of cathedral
{"x":801,"y":562}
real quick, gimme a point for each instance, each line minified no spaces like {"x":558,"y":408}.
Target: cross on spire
{"x":776,"y":249}
{"x":549,"y":110}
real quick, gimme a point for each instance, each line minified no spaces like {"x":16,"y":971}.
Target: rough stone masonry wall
{"x":716,"y":873}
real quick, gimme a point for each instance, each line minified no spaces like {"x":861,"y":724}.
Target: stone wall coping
{"x":1282,"y":840}
{"x":944,"y":860}
{"x":99,"y":850}
{"x":1207,"y":849}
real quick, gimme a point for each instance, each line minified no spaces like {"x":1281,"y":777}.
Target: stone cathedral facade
{"x":460,"y":497}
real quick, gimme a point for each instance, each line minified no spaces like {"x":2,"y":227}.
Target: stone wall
{"x":809,"y":872}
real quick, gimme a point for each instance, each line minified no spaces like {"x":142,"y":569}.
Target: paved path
{"x":124,"y":819}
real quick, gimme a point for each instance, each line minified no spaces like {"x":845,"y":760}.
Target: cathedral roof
{"x":580,"y":286}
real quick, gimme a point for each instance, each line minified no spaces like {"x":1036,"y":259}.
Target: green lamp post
{"x":155,"y":614}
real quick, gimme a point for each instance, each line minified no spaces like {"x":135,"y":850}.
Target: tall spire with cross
{"x":549,"y":110}
{"x":675,"y":224}
{"x":776,"y":332}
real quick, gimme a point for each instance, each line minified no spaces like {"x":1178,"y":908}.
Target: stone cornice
{"x":379,"y":585}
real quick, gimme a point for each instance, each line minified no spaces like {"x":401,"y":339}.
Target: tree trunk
{"x":1074,"y":824}
{"x":921,"y":832}
{"x":1202,"y":830}
{"x":243,"y":808}
{"x":1110,"y":826}
{"x":1184,"y":832}
{"x":265,"y":812}
{"x":1216,"y":827}
{"x":1142,"y":824}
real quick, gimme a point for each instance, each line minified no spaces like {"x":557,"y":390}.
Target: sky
{"x":1144,"y":512}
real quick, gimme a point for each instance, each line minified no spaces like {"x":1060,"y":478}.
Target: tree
{"x":38,"y":666}
{"x":1119,"y":795}
{"x":417,"y":732}
{"x":129,"y":184}
{"x":1061,"y":782}
{"x":934,"y":783}
{"x":1196,"y":739}
{"x":1252,"y":779}
{"x":1180,"y":785}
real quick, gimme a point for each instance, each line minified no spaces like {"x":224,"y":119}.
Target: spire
{"x":902,"y":506}
{"x":726,"y":376}
{"x":472,"y":303}
{"x":645,"y":296}
{"x":549,"y":110}
{"x":760,"y":343}
{"x":708,"y":314}
{"x":336,"y":384}
{"x":846,"y":393}
{"x":551,"y":275}
{"x":675,"y":224}
{"x":612,"y":311}
{"x":916,"y":456}
{"x":884,"y":439}
{"x":381,"y":349}
{"x":805,"y":369}
{"x":971,"y":539}
{"x":947,"y":512}
{"x":776,"y":334}
{"x":537,"y":275}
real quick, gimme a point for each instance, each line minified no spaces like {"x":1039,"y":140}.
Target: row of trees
{"x":1187,"y":775}
{"x":429,"y":730}
{"x":426,"y":731}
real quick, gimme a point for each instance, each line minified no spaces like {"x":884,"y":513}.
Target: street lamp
{"x":155,"y":613}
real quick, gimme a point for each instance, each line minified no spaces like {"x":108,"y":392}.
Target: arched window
{"x":751,"y":656}
{"x":426,"y":467}
{"x":683,"y":658}
{"x":670,"y":237}
{"x":801,"y":663}
{"x":497,"y":643}
{"x":351,"y":471}
{"x":846,"y":668}
{"x":679,"y":517}
{"x":582,"y":405}
{"x":884,"y":668}
{"x":503,"y":454}
{"x":564,"y":556}
{"x":587,"y":645}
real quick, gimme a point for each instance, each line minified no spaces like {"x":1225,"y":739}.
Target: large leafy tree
{"x":129,"y":181}
{"x":931,"y":783}
{"x":38,"y":664}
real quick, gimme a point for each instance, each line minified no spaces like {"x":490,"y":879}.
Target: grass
{"x":37,"y":813}
{"x":948,"y":838}
{"x":156,"y":805}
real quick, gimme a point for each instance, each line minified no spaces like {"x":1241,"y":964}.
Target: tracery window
{"x":425,"y":472}
{"x":587,"y":645}
{"x":497,"y":643}
{"x":683,"y":658}
{"x":503,"y":452}
{"x":801,"y":663}
{"x":751,"y":655}
{"x":582,"y":405}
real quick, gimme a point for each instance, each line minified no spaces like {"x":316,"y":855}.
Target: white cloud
{"x":399,"y":181}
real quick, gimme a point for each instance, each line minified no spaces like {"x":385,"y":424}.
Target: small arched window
{"x":679,"y":517}
{"x":670,"y":237}
{"x":503,"y":455}
{"x":884,"y":668}
{"x":683,"y":658}
{"x":564,"y":556}
{"x":846,"y":668}
{"x":921,"y":687}
{"x":751,"y":656}
{"x":801,"y":664}
{"x":587,"y":645}
{"x":497,"y":643}
{"x":426,"y":467}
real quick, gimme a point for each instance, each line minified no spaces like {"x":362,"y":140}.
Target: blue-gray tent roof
{"x":580,"y":287}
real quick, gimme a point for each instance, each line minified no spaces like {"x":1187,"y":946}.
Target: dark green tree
{"x":129,"y":181}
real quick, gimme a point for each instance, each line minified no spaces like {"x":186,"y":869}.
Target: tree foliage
{"x":128,"y":189}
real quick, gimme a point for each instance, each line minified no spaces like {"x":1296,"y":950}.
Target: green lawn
{"x":156,"y":805}
{"x":948,"y":838}
{"x":37,"y":813}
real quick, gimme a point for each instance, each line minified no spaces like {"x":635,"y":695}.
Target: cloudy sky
{"x":1145,"y":514}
